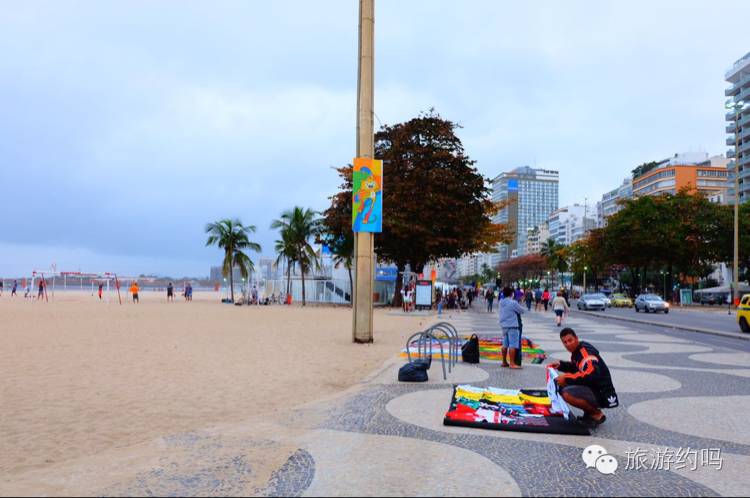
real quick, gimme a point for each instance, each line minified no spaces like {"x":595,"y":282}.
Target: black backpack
{"x":415,"y":371}
{"x":470,"y":350}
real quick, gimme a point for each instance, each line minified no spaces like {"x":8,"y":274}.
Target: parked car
{"x":607,"y":301}
{"x":621,"y":301}
{"x":652,"y":303}
{"x":743,"y":314}
{"x":711,"y":299}
{"x":591,"y":302}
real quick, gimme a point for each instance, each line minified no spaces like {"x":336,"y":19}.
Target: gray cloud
{"x":126,"y":127}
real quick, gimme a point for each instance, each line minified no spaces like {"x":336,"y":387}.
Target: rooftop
{"x":738,"y":66}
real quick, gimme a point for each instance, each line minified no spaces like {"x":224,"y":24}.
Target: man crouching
{"x":585,"y":381}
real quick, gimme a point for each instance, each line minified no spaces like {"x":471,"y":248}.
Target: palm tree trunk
{"x":303,"y":286}
{"x":288,"y":277}
{"x":231,"y":282}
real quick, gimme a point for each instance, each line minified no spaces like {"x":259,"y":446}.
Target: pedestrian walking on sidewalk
{"x":528,"y":297}
{"x":546,"y":298}
{"x":560,"y":307}
{"x":490,"y":297}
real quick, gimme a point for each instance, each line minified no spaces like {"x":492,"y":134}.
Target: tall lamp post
{"x":663,"y":284}
{"x":364,"y":245}
{"x":585,"y":270}
{"x":737,"y":107}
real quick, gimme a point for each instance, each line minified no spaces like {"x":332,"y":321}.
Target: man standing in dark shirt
{"x":585,"y":381}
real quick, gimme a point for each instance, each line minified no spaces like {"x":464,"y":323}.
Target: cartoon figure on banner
{"x":367,"y":205}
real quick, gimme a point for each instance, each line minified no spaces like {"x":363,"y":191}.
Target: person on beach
{"x":560,"y":307}
{"x":14,"y":289}
{"x":134,"y":291}
{"x":510,"y":323}
{"x":1,"y":286}
{"x":40,"y":295}
{"x":101,"y":290}
{"x":170,"y":292}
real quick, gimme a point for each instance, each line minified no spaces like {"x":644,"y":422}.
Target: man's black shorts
{"x":581,"y":392}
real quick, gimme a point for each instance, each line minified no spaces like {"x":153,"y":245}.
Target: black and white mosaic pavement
{"x":679,"y":393}
{"x":675,"y":394}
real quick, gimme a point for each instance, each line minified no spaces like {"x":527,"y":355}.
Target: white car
{"x":603,"y":297}
{"x":591,"y":302}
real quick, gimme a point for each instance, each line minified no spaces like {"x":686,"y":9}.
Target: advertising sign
{"x":424,"y":294}
{"x":367,"y":192}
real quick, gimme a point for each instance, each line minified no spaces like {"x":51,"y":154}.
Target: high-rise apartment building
{"x":536,"y":237}
{"x":571,"y":223}
{"x":694,"y":171}
{"x":610,"y":203}
{"x":533,"y":195}
{"x":739,"y":127}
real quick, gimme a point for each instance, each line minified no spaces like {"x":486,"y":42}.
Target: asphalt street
{"x":714,"y":318}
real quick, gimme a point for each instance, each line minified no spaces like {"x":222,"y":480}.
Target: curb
{"x":743,"y":337}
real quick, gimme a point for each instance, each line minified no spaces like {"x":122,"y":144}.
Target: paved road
{"x":714,"y":319}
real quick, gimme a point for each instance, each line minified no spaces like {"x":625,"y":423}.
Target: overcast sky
{"x":126,"y":126}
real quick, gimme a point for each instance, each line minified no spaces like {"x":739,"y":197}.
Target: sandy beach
{"x":82,"y":379}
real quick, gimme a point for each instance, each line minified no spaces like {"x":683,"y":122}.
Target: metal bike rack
{"x":426,"y":338}
{"x":454,"y":341}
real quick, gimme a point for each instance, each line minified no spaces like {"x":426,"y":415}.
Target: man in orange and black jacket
{"x":585,"y":381}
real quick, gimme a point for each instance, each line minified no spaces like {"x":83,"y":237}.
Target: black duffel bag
{"x":470,"y":350}
{"x":415,"y":371}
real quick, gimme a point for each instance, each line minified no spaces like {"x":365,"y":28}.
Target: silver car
{"x":650,"y":302}
{"x":603,"y":297}
{"x":591,"y":302}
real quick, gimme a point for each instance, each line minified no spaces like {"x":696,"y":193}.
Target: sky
{"x":126,"y":126}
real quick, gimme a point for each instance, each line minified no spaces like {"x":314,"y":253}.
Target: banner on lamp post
{"x":367,"y":193}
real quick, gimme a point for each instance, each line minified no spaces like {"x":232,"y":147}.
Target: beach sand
{"x":85,"y":383}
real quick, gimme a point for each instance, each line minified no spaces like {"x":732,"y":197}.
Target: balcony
{"x":736,"y":87}
{"x":743,"y":95}
{"x":730,"y":129}
{"x":744,"y":120}
{"x":731,"y":140}
{"x":731,"y":153}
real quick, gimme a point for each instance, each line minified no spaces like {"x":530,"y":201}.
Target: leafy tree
{"x":528,"y":267}
{"x":645,"y":168}
{"x":436,"y":203}
{"x":232,"y":236}
{"x":488,"y":274}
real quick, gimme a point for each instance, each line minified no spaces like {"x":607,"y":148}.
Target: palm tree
{"x":300,"y":225}
{"x":233,"y":237}
{"x":343,"y":254}
{"x":554,"y":252}
{"x":286,"y":253}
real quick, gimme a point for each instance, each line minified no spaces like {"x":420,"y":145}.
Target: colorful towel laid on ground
{"x":509,"y":410}
{"x":489,"y":349}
